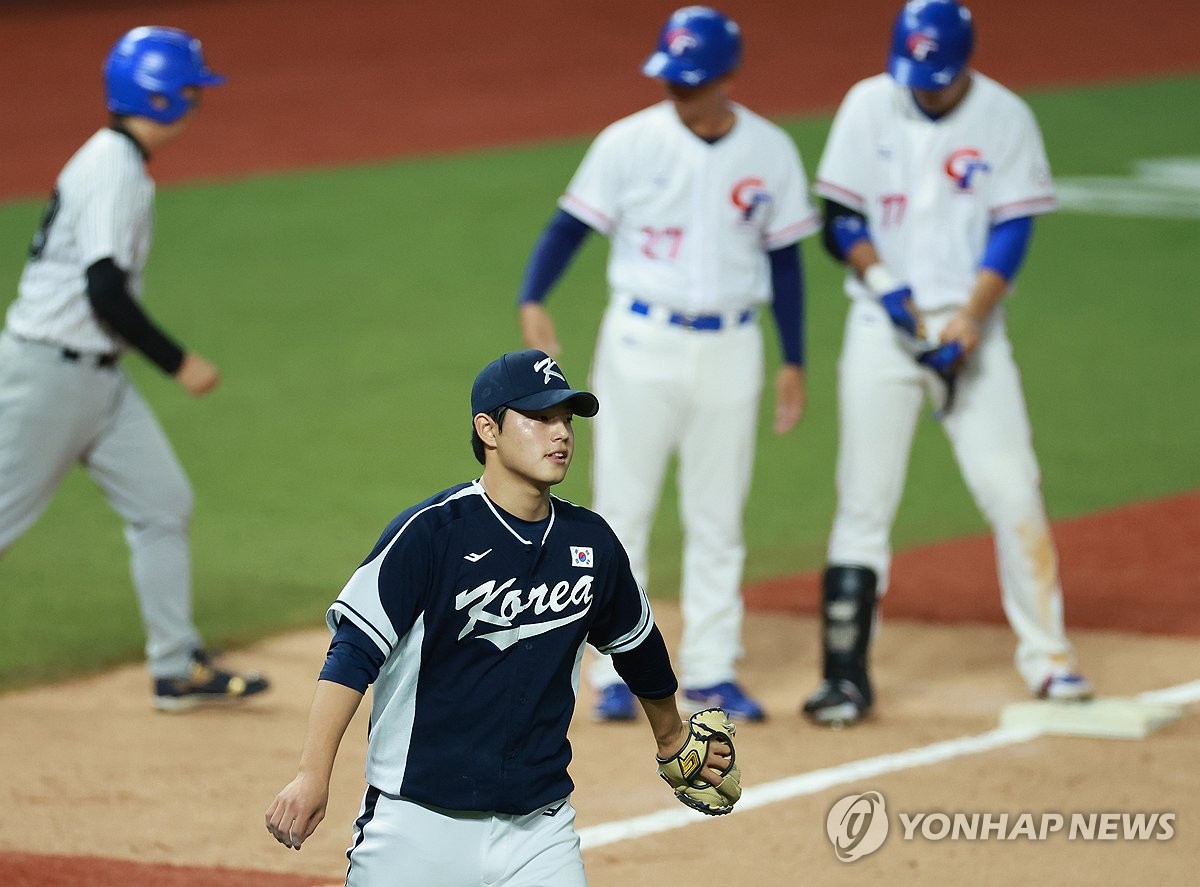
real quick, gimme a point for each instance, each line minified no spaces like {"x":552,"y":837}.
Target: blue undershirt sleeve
{"x":787,"y":302}
{"x":353,"y":659}
{"x":647,"y":668}
{"x":560,"y":240}
{"x":1007,"y":245}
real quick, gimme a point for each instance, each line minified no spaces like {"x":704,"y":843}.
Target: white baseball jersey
{"x":102,"y":206}
{"x":690,"y":222}
{"x":930,"y":190}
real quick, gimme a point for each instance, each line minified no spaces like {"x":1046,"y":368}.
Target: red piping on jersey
{"x":841,"y":195}
{"x":594,"y":215}
{"x":794,"y":232}
{"x":1030,"y":207}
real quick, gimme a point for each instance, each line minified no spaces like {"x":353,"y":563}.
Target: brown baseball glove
{"x":682,"y":770}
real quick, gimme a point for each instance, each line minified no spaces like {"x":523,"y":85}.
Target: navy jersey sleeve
{"x":647,"y":668}
{"x":389,"y":590}
{"x":625,"y":620}
{"x":353,"y":659}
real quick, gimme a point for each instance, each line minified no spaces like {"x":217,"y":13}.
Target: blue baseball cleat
{"x":615,"y":703}
{"x":729,"y":697}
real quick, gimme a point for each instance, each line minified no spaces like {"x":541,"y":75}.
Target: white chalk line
{"x":1164,"y":187}
{"x":853,"y":771}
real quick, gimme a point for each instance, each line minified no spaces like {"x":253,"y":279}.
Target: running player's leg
{"x":990,"y":433}
{"x":48,"y":409}
{"x":136,"y":467}
{"x":716,"y":461}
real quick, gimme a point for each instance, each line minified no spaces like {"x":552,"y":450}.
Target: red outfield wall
{"x":320,"y":82}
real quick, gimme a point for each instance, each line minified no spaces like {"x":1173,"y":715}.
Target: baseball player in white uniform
{"x":932,"y":175}
{"x":704,"y":203}
{"x":469,"y":617}
{"x":64,"y":398}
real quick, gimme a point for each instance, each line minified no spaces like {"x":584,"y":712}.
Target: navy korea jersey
{"x":483,"y":633}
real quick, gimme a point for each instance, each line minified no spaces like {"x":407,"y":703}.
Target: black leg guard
{"x":848,"y":597}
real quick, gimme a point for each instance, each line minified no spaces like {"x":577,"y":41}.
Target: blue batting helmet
{"x":696,"y":45}
{"x":149,"y":62}
{"x":931,"y":42}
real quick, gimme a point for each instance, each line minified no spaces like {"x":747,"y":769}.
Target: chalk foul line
{"x":853,"y":771}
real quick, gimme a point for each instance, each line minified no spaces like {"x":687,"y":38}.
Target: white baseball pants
{"x":880,"y":393}
{"x":666,"y":390}
{"x":400,"y":843}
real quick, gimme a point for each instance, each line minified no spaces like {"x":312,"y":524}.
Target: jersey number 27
{"x":892,"y":212}
{"x":661,"y":243}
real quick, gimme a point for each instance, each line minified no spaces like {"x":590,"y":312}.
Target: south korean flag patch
{"x":581,"y":557}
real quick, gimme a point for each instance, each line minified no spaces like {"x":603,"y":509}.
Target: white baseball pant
{"x":880,"y":393}
{"x":666,"y":390}
{"x":400,"y":842}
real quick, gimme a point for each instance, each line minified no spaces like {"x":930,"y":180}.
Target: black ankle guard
{"x":847,"y":613}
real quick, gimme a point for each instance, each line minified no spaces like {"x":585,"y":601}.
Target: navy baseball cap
{"x":527,"y":380}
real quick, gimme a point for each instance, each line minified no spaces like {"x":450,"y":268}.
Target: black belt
{"x":104,"y":361}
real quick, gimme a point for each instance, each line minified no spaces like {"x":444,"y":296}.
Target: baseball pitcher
{"x":469,"y":617}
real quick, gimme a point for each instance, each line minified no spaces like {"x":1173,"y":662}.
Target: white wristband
{"x":880,"y":280}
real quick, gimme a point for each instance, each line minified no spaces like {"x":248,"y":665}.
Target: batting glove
{"x":944,"y":359}
{"x":900,"y":308}
{"x":896,"y":297}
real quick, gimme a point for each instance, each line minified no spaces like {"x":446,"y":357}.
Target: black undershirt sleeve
{"x":108,"y":293}
{"x":834,"y":210}
{"x":647,"y":668}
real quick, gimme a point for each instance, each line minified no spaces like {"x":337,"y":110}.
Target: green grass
{"x":349,"y":310}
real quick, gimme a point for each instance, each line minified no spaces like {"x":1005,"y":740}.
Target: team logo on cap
{"x":581,"y":557}
{"x":546,"y":366}
{"x":680,"y":40}
{"x":963,"y":165}
{"x":920,"y":45}
{"x":748,"y":195}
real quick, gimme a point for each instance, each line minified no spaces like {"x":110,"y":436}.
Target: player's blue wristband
{"x":787,"y":303}
{"x":560,"y":240}
{"x":353,"y":659}
{"x":1007,"y":245}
